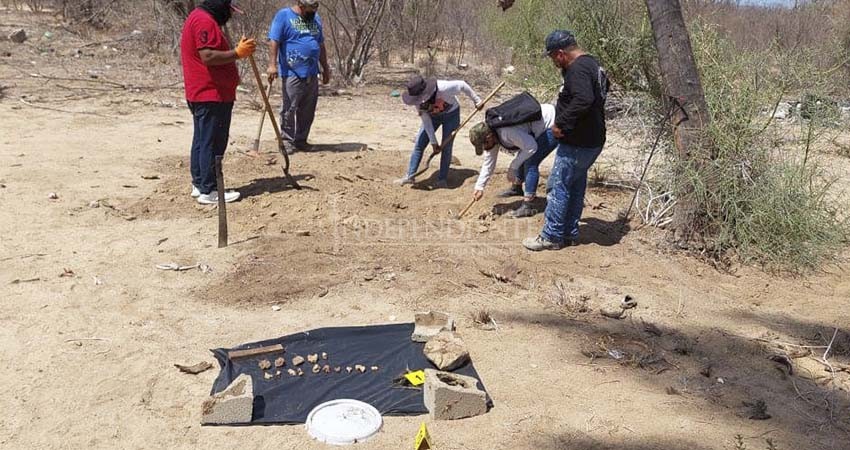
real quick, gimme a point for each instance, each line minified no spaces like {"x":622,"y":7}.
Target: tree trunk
{"x":360,"y":22}
{"x":690,"y":116}
{"x":415,"y":34}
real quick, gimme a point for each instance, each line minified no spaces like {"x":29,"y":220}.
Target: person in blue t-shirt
{"x":297,"y":49}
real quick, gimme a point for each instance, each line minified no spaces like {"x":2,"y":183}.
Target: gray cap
{"x":309,"y":2}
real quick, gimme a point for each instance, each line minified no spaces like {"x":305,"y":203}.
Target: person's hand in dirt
{"x":477,"y":195}
{"x":245,"y":48}
{"x":512,"y":176}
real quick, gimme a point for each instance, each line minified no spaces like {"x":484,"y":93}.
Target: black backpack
{"x":522,"y":108}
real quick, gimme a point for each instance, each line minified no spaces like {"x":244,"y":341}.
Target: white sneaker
{"x":404,"y":180}
{"x":212,"y":198}
{"x":195,"y":192}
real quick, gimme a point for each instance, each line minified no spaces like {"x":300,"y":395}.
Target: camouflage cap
{"x":478,"y":136}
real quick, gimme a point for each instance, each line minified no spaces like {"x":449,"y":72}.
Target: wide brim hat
{"x":419,"y":90}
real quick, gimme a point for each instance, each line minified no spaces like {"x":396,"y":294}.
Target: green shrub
{"x":615,"y":31}
{"x":764,"y":199}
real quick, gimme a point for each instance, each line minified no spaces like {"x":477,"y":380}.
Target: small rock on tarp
{"x":447,"y":351}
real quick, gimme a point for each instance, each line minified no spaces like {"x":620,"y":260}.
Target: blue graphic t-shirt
{"x":299,"y":40}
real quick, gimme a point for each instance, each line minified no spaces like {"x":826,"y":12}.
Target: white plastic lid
{"x":343,"y":422}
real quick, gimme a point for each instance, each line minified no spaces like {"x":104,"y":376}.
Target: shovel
{"x":456,"y":131}
{"x":274,"y":123}
{"x":255,"y":150}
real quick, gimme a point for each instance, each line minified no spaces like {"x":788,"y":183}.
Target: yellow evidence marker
{"x":423,"y":439}
{"x":416,"y":378}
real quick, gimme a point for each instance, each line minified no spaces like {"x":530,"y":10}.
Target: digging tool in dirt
{"x":623,"y":217}
{"x":465,"y":210}
{"x":273,"y":122}
{"x":255,"y":149}
{"x":222,"y":209}
{"x":454,"y":134}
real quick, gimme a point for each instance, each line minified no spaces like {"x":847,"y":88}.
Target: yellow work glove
{"x":245,"y":48}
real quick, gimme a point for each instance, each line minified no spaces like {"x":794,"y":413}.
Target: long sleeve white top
{"x":523,"y":140}
{"x":448,"y":92}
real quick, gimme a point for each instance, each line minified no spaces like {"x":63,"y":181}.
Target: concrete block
{"x":447,"y":351}
{"x":232,"y":405}
{"x":449,"y":396}
{"x":430,"y":324}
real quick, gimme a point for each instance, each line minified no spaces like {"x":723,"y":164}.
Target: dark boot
{"x":525,"y":210}
{"x":514,"y":191}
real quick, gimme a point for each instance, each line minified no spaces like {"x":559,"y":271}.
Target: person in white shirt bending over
{"x":437,"y":104}
{"x":519,"y":126}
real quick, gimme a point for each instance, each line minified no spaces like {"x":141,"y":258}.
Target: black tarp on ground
{"x":290,"y":399}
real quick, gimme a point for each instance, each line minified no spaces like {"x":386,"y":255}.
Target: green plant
{"x":763,"y":200}
{"x":616,"y":31}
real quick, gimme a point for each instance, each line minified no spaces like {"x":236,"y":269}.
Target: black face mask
{"x":309,"y":16}
{"x":219,"y":9}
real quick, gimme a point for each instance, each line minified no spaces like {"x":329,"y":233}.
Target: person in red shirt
{"x":210,"y":78}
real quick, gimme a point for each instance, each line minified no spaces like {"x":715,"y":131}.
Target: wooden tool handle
{"x":468,"y":118}
{"x":270,"y":112}
{"x":265,"y":96}
{"x":262,"y":122}
{"x":222,"y":209}
{"x":465,"y":210}
{"x":247,"y":353}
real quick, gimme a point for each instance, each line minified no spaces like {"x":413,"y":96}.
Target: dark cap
{"x":559,"y":39}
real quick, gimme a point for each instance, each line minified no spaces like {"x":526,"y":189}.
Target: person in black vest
{"x":580,"y":130}
{"x":520,"y":127}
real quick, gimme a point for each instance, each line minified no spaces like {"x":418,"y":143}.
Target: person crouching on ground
{"x":530,"y":140}
{"x":580,"y":130}
{"x":437,"y":104}
{"x":210,"y":78}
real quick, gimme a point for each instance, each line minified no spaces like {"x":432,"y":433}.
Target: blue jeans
{"x":566,"y":200}
{"x":530,"y":169}
{"x":212,"y":130}
{"x":449,"y":121}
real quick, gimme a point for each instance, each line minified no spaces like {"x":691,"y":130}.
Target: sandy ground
{"x":89,"y":356}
